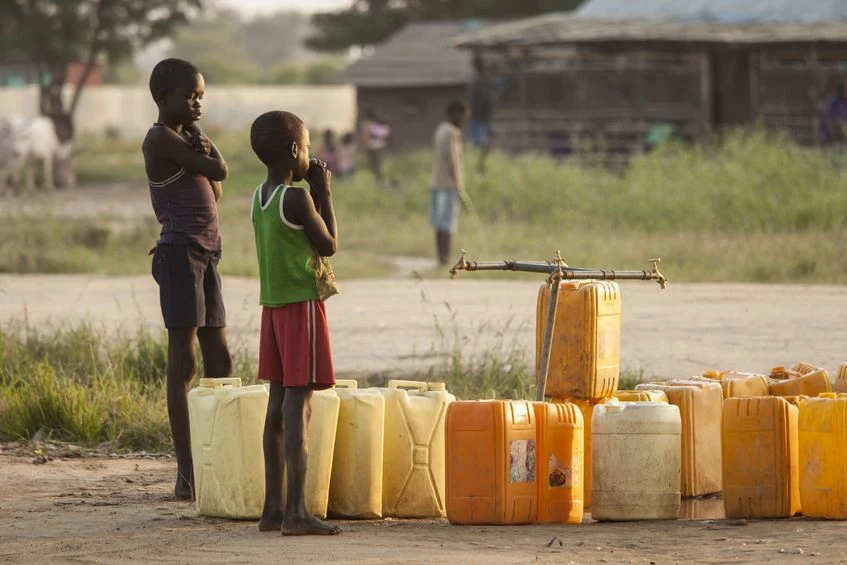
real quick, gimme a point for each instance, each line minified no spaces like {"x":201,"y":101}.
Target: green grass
{"x":749,"y":208}
{"x":84,"y":385}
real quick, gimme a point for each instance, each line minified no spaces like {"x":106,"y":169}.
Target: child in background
{"x":184,"y":170}
{"x":295,"y":229}
{"x":347,"y":156}
{"x":375,"y":134}
{"x":328,"y":152}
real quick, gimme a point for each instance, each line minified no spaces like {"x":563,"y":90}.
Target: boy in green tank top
{"x":295,"y":231}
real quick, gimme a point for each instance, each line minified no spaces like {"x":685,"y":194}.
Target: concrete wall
{"x":129,"y":110}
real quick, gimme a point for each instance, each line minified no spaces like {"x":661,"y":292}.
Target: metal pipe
{"x":547,"y":344}
{"x":568,"y":273}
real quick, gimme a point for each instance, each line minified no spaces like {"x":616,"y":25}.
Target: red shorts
{"x":294,"y":346}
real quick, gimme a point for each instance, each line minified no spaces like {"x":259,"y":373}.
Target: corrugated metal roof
{"x":563,"y":28}
{"x":718,"y":10}
{"x":420,"y":54}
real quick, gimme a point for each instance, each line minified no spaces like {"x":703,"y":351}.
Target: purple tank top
{"x":185,"y":206}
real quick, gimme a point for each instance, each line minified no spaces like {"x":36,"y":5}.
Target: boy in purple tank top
{"x":184,"y":172}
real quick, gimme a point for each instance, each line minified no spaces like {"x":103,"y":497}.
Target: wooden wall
{"x":568,"y":101}
{"x":790,"y":86}
{"x":413,"y":113}
{"x":600,"y":101}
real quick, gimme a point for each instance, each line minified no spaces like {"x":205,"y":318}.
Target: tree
{"x":216,"y":44}
{"x":55,"y":33}
{"x":368,"y":22}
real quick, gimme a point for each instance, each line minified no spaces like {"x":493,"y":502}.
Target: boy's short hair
{"x":167,"y":73}
{"x":273,"y":132}
{"x":457,"y":107}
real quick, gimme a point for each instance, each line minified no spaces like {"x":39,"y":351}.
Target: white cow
{"x":27,"y":142}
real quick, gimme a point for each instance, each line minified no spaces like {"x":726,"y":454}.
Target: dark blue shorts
{"x":189,"y":286}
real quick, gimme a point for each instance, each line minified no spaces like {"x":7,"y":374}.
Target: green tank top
{"x":287,"y":260}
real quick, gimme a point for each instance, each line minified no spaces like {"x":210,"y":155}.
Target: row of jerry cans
{"x":516,"y":462}
{"x":783,"y":456}
{"x":585,"y":351}
{"x":802,"y":380}
{"x":355,"y":468}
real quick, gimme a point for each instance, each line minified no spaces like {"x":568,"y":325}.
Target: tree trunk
{"x":53,"y":104}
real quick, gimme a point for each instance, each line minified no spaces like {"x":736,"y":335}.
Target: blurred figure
{"x":374,"y":136}
{"x":448,"y":179}
{"x":347,"y":156}
{"x":834,"y":119}
{"x":328,"y":152}
{"x":480,"y":100}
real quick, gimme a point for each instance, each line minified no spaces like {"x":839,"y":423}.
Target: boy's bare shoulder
{"x":154,"y":138}
{"x":298,"y":197}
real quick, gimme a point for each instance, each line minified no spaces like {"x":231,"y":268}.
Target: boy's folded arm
{"x":173,"y":147}
{"x":320,"y":236}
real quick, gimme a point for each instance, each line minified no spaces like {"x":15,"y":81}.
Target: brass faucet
{"x":654,"y":272}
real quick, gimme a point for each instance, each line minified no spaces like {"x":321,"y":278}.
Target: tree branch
{"x":96,"y":47}
{"x":86,"y":73}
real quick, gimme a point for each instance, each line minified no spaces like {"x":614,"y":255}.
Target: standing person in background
{"x":375,"y":134}
{"x":328,"y":151}
{"x":480,"y":100}
{"x":833,"y":125}
{"x":347,"y":156}
{"x":448,"y":178}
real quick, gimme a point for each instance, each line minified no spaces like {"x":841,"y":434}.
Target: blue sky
{"x":252,"y":7}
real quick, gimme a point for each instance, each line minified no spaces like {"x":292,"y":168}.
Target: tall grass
{"x":750,"y":207}
{"x":81,"y":384}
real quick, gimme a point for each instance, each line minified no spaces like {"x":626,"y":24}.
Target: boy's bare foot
{"x":308,"y":525}
{"x":184,"y":488}
{"x":271,"y":520}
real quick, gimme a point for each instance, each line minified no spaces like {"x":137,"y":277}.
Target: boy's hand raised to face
{"x":319,"y":176}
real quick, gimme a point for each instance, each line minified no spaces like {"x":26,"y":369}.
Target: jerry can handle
{"x":218,"y":383}
{"x":347,"y":383}
{"x":397,"y":383}
{"x":795,"y":399}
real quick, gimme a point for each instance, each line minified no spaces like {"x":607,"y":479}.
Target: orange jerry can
{"x":761,"y":458}
{"x":700,"y":406}
{"x":823,"y":458}
{"x":587,"y":410}
{"x":560,"y":444}
{"x":491,"y":462}
{"x":804,"y":368}
{"x":840,"y":384}
{"x":585,"y":352}
{"x":809,"y":384}
{"x":735,"y":384}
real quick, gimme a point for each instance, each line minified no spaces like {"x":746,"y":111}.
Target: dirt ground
{"x":119,"y":510}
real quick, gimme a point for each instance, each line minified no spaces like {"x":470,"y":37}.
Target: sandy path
{"x":118,"y":511}
{"x":393,"y":326}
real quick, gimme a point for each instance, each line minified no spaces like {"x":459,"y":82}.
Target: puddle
{"x":702,"y":509}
